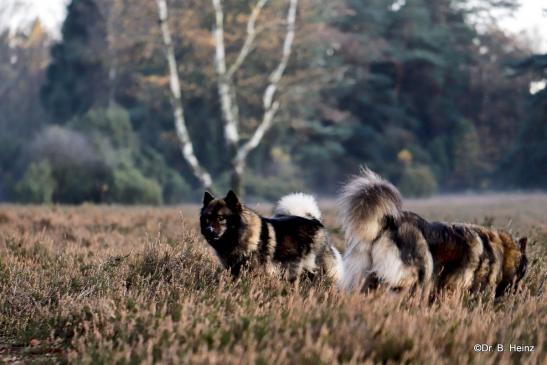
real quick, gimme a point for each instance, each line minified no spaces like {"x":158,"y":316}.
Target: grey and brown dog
{"x":293,"y":242}
{"x":403,"y":250}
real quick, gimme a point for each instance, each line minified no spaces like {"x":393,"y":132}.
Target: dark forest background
{"x":429,"y":93}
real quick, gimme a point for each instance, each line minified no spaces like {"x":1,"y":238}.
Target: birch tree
{"x":238,"y":149}
{"x":183,"y":136}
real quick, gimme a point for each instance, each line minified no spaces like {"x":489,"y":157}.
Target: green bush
{"x":175,"y":188}
{"x":152,"y":165}
{"x":37,"y":185}
{"x":110,"y":132}
{"x":79,"y":172}
{"x":418,"y":181}
{"x":131,"y":187}
{"x":80,"y":183}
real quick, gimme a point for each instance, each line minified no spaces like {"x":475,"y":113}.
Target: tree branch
{"x":249,"y":39}
{"x":271,"y":106}
{"x":187,"y":148}
{"x":225,"y":87}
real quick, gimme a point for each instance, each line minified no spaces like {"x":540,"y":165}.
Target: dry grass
{"x":138,"y":285}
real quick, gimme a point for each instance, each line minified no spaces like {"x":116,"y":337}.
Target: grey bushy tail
{"x":364,"y":204}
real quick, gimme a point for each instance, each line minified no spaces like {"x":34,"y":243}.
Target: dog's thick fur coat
{"x":292,"y":242}
{"x":403,"y":250}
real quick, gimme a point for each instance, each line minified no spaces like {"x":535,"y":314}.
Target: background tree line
{"x":429,"y":93}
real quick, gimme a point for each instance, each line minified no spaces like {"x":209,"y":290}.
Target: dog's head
{"x":219,"y":215}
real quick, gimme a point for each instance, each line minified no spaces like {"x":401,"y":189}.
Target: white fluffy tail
{"x":365,"y":202}
{"x":299,"y":204}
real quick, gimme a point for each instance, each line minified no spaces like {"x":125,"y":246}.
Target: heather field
{"x":97,"y":284}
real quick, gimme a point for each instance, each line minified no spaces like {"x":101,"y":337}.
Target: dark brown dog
{"x":286,"y":243}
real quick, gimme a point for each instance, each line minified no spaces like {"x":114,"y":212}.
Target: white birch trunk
{"x":226,"y":88}
{"x":187,"y":148}
{"x":225,"y":91}
{"x":249,"y":39}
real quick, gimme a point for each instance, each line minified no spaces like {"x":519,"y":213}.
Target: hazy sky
{"x":530,"y":19}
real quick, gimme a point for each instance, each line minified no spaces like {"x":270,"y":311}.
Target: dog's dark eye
{"x":221,"y":218}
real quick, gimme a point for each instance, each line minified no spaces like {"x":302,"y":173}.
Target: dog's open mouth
{"x":213,"y":237}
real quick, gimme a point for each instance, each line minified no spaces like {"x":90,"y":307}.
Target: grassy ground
{"x":138,"y":285}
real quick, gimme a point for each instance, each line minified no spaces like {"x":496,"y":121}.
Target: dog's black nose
{"x":210,"y":229}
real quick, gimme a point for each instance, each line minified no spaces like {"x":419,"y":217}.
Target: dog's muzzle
{"x":209,"y":233}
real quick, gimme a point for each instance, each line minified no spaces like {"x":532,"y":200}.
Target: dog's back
{"x":322,"y":255}
{"x":472,"y":256}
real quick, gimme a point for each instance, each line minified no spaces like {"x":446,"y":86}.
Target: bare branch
{"x":287,"y":47}
{"x":187,"y":148}
{"x":225,"y":87}
{"x":249,"y":39}
{"x":271,"y":106}
{"x":254,"y":141}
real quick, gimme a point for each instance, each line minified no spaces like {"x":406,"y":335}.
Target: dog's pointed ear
{"x":207,"y":198}
{"x":523,"y":241}
{"x":232,"y":200}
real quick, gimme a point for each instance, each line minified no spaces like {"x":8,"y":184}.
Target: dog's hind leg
{"x":357,"y":263}
{"x":389,"y":266}
{"x":371,"y":283}
{"x":464,"y":278}
{"x":422,"y":258}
